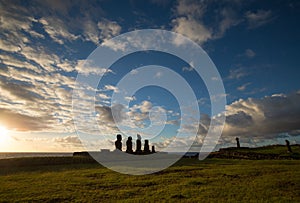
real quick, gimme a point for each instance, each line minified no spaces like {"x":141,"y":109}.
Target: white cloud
{"x":173,"y":122}
{"x":115,"y":45}
{"x":108,"y":28}
{"x":258,"y":18}
{"x":57,"y":29}
{"x":66,"y":65}
{"x":15,"y":18}
{"x":158,"y":74}
{"x":36,"y":34}
{"x":263,"y":118}
{"x":108,"y":113}
{"x":243,"y":87}
{"x":36,"y":92}
{"x":11,"y":61}
{"x":228,"y":19}
{"x":68,"y":140}
{"x":215,"y":78}
{"x":255,"y":120}
{"x":39,"y":97}
{"x":6,"y":46}
{"x":134,"y":72}
{"x":145,"y":107}
{"x":87,"y":67}
{"x":132,"y":98}
{"x":190,"y":21}
{"x":101,"y":31}
{"x":111,"y":88}
{"x":91,"y":32}
{"x":191,"y":28}
{"x":14,"y":120}
{"x":109,"y":117}
{"x":250,"y":53}
{"x":189,"y":68}
{"x":103,"y":96}
{"x":40,"y":56}
{"x":57,"y":23}
{"x":139,"y":114}
{"x":237,"y":73}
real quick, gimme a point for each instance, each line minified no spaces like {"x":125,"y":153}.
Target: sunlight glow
{"x":3,"y":134}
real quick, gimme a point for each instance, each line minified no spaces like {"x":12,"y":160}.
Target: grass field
{"x":271,"y":149}
{"x":189,"y":180}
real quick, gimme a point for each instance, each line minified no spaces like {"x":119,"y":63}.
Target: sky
{"x":44,"y":46}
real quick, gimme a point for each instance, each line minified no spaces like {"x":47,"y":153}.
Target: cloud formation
{"x":22,"y":122}
{"x":192,"y":29}
{"x":37,"y":80}
{"x":255,"y":120}
{"x":250,"y":53}
{"x":243,"y":87}
{"x":190,"y":20}
{"x":263,"y":118}
{"x":258,"y":18}
{"x":74,"y":141}
{"x":39,"y":58}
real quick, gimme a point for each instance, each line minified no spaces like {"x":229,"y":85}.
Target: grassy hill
{"x":260,"y":153}
{"x":80,"y":179}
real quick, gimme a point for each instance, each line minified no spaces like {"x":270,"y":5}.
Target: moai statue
{"x":138,"y":144}
{"x":146,"y":147}
{"x":153,"y":149}
{"x":129,"y":145}
{"x":118,"y":142}
{"x":288,"y":146}
{"x":237,"y":142}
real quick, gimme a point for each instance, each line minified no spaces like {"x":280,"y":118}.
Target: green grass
{"x":189,"y":180}
{"x":271,"y":149}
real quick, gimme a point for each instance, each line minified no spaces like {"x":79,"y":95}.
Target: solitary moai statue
{"x":288,"y":145}
{"x":138,"y":144}
{"x":146,"y":147}
{"x":129,"y":145}
{"x":153,"y":149}
{"x":118,"y":142}
{"x":237,"y":142}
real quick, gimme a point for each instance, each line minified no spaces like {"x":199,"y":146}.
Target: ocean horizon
{"x":10,"y":155}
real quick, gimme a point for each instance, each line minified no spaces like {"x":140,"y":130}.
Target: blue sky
{"x":43,"y":45}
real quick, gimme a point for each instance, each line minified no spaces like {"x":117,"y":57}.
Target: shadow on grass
{"x":45,"y":164}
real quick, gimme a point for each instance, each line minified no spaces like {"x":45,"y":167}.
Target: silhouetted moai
{"x":139,"y":137}
{"x":288,"y":145}
{"x":129,"y":145}
{"x":153,"y":149}
{"x":237,"y":142}
{"x":118,"y":143}
{"x":138,"y":144}
{"x":146,"y":147}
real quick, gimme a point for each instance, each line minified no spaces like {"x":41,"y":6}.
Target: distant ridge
{"x":258,"y":153}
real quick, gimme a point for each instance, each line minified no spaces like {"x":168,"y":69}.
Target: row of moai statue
{"x":138,"y":150}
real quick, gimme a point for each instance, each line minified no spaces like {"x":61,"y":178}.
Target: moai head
{"x":119,"y":137}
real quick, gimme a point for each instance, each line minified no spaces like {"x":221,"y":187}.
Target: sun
{"x":3,"y":133}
